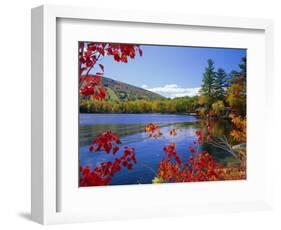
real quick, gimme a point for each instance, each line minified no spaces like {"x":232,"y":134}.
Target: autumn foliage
{"x":173,"y":132}
{"x":239,"y":131}
{"x":103,"y":173}
{"x":90,"y":54}
{"x":106,"y":141}
{"x":153,"y":130}
{"x":201,"y":165}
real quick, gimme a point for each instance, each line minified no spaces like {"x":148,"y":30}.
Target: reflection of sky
{"x":161,"y":67}
{"x":149,"y":152}
{"x":91,"y":119}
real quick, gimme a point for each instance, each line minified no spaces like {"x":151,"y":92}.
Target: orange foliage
{"x":239,"y":128}
{"x":153,"y":129}
{"x":200,"y":166}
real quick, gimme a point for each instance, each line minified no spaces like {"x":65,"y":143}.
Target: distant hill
{"x":120,"y":91}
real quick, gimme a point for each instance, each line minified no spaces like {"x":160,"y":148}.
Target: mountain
{"x":120,"y":91}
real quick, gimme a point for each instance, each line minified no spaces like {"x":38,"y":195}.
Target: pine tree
{"x":237,"y":91}
{"x":243,"y":67}
{"x":207,"y":88}
{"x":220,"y":83}
{"x":243,"y":70}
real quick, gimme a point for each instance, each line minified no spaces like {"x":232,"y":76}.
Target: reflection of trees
{"x":87,"y":133}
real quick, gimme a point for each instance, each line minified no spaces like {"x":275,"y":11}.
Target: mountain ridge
{"x":121,"y":91}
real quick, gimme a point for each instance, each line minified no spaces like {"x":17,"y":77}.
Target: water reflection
{"x":149,"y":151}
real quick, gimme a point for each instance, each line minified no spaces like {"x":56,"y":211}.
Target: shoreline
{"x":189,"y":114}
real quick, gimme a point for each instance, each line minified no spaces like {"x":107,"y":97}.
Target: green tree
{"x":220,"y":83}
{"x":242,"y":73}
{"x":243,"y":67}
{"x":236,"y":93}
{"x":207,"y":88}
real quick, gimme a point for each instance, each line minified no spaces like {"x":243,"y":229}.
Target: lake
{"x":130,"y":128}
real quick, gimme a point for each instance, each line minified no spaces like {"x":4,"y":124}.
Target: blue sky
{"x":169,"y":70}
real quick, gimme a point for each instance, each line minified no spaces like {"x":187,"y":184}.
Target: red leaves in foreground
{"x":101,"y":175}
{"x":153,"y":129}
{"x":106,"y":141}
{"x":121,"y":52}
{"x":173,"y":132}
{"x":171,"y":152}
{"x":92,"y":86}
{"x":192,"y":149}
{"x":199,"y":167}
{"x":90,"y":54}
{"x":200,"y":135}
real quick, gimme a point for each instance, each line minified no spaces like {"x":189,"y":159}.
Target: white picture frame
{"x":45,"y":207}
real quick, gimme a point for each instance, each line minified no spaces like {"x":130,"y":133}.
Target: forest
{"x":176,"y":105}
{"x":220,"y":91}
{"x":220,"y":107}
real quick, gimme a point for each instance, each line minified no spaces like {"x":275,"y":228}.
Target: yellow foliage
{"x":218,"y":107}
{"x":236,"y":94}
{"x":202,"y":100}
{"x":239,"y":130}
{"x":202,"y":112}
{"x":157,"y":180}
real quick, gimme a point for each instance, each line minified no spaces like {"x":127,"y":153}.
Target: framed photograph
{"x":139,"y":114}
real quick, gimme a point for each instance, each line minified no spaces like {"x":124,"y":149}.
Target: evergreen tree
{"x":237,"y":91}
{"x":220,"y":84}
{"x":243,"y":70}
{"x":207,"y":88}
{"x":243,"y":67}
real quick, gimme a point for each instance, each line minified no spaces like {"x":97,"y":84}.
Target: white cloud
{"x":144,"y":86}
{"x":173,"y":90}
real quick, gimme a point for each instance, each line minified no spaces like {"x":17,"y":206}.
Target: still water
{"x":130,"y":128}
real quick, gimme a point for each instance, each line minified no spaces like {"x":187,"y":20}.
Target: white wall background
{"x":15,"y":112}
